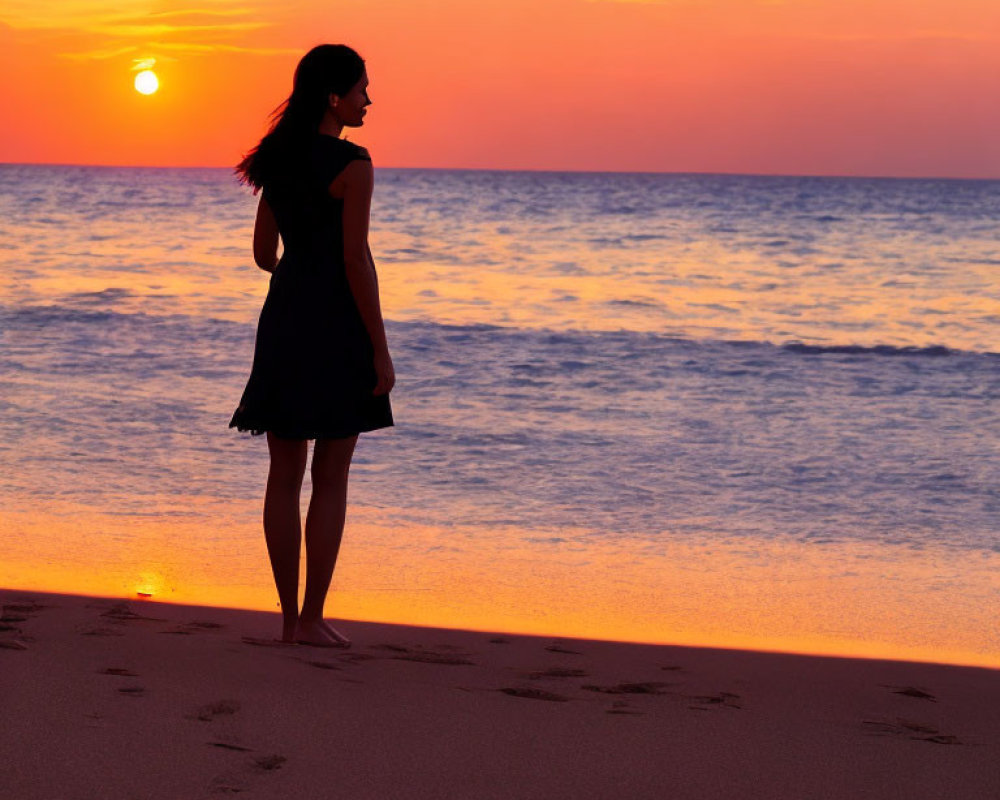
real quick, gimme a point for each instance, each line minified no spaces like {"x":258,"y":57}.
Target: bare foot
{"x":319,"y":634}
{"x":344,"y":641}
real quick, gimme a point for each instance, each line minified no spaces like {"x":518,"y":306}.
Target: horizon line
{"x":535,"y":170}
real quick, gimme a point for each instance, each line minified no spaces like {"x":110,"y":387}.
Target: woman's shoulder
{"x":332,"y":155}
{"x":343,"y":147}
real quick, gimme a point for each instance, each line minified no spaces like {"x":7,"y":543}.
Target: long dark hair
{"x":326,"y":69}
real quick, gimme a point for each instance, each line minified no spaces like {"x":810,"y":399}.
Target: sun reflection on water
{"x":849,"y":599}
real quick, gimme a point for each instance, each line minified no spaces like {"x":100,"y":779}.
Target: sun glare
{"x":146,"y":82}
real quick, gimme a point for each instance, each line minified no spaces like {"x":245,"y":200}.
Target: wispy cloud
{"x":147,"y":29}
{"x":192,"y":47}
{"x":178,"y":48}
{"x":131,"y":25}
{"x":70,"y":15}
{"x":86,"y":14}
{"x":102,"y":55}
{"x":198,"y":12}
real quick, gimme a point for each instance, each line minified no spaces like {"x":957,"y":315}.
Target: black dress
{"x":313,"y":364}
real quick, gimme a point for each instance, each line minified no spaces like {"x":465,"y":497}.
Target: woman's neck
{"x":330,"y":126}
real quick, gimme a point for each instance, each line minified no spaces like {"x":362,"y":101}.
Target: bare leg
{"x":331,"y":465}
{"x":283,"y":524}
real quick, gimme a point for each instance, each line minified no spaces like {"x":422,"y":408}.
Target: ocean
{"x":710,"y":409}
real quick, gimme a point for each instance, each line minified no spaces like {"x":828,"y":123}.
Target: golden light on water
{"x":146,"y":82}
{"x":860,"y":599}
{"x":149,"y":584}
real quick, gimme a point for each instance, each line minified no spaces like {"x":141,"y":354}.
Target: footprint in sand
{"x":20,"y":611}
{"x":556,"y":647}
{"x":908,"y":729}
{"x":98,"y":631}
{"x":259,"y":642}
{"x":649,"y":687}
{"x":622,"y":707}
{"x":435,"y":658}
{"x":230,"y":746}
{"x":269,"y":763}
{"x":353,"y":657}
{"x":223,"y":785}
{"x":707,"y":702}
{"x":238,"y":780}
{"x":209,"y":711}
{"x":396,"y":648}
{"x":189,"y":628}
{"x":558,"y":672}
{"x":122,"y":612}
{"x":14,"y":613}
{"x":322,"y":665}
{"x":121,"y":671}
{"x":426,"y":656}
{"x":204,"y":626}
{"x":531,"y":693}
{"x":911,"y":691}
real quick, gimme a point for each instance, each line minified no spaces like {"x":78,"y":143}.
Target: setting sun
{"x":146,"y":82}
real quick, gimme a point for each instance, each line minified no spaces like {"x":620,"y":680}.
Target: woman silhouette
{"x":321,"y":365}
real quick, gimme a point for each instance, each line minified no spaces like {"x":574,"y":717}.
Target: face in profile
{"x":350,"y":108}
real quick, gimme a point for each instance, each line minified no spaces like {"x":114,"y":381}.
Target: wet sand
{"x":110,"y":698}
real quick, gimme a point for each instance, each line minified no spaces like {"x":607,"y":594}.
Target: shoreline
{"x":139,"y":600}
{"x":113,"y":698}
{"x":805,"y":646}
{"x":704,"y":610}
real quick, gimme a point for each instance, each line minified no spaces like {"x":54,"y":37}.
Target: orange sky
{"x":829,"y":87}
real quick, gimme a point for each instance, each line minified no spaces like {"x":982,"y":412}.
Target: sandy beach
{"x":108,"y":698}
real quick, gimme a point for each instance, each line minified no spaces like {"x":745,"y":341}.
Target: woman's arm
{"x":265,"y":237}
{"x":359,"y":180}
